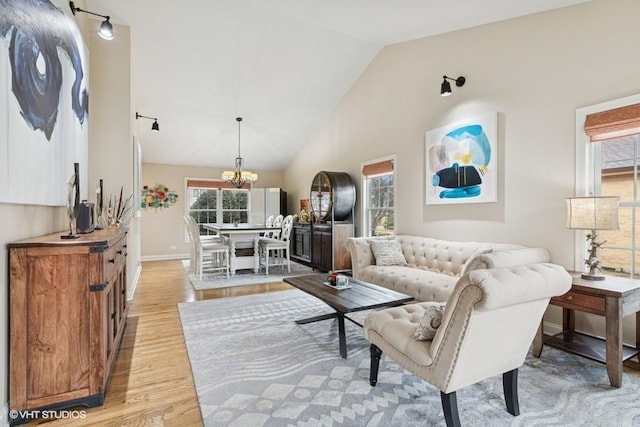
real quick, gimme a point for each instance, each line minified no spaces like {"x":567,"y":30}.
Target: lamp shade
{"x":593,"y":213}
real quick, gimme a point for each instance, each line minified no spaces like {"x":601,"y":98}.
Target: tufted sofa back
{"x":444,"y":256}
{"x":441,"y":256}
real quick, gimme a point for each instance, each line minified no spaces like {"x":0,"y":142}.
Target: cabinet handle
{"x":124,"y":246}
{"x":113,"y":315}
{"x":119,"y":252}
{"x":569,"y":297}
{"x":112,"y":260}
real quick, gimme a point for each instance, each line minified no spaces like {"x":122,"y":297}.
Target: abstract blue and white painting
{"x":43,"y":101}
{"x":462,"y":162}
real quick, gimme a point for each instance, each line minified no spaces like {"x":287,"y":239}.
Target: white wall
{"x":111,"y":132}
{"x":535,"y":71}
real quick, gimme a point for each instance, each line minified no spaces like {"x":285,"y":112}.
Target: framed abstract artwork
{"x":461,"y":164}
{"x":44,"y":102}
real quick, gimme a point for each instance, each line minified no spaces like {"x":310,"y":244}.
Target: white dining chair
{"x":212,"y":256}
{"x":278,"y":246}
{"x":277,"y":227}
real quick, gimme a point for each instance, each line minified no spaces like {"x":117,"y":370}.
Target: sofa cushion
{"x":430,"y":321}
{"x":397,"y":325}
{"x":421,"y":284}
{"x":387,"y":252}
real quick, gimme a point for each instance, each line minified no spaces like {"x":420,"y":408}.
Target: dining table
{"x":241,"y":236}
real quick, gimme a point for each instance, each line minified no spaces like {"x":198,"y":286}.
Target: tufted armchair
{"x":488,"y":325}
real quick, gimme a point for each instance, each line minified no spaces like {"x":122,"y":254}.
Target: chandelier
{"x":238,"y":177}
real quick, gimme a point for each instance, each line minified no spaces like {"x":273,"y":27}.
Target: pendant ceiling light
{"x":238,"y":177}
{"x":106,"y":29}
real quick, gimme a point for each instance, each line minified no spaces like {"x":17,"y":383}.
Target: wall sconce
{"x":106,"y":29}
{"x":155,"y":126}
{"x":445,"y":87}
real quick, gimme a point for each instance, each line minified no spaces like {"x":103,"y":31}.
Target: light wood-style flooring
{"x":151,"y":384}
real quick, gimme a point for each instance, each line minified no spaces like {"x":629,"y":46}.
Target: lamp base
{"x":589,"y":276}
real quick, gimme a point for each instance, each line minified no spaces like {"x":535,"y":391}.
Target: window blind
{"x":200,"y":183}
{"x":616,"y":123}
{"x":378,"y":169}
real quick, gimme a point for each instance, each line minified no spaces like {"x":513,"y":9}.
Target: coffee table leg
{"x":342,"y":337}
{"x":317,"y":318}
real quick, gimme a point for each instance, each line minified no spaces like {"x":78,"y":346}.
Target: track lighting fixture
{"x":155,"y":126}
{"x":106,"y":29}
{"x":445,"y":87}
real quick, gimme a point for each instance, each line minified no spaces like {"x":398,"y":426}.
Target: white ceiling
{"x":282,"y":65}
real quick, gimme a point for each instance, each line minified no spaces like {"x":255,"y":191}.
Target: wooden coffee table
{"x":361,"y":296}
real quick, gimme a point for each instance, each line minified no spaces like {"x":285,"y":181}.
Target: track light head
{"x":445,"y":87}
{"x":154,"y":126}
{"x":106,"y":29}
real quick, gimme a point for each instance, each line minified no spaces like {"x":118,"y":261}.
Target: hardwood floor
{"x":151,"y":384}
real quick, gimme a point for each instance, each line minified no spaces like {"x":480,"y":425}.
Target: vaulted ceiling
{"x":282,"y":65}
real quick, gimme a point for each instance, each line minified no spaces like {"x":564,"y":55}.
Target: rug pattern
{"x":253,"y":366}
{"x":244,"y":277}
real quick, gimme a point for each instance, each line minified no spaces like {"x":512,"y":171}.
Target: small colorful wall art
{"x":462,"y":162}
{"x":157,"y":197}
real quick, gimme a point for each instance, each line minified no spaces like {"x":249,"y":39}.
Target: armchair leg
{"x":376,"y":353}
{"x":450,"y":409}
{"x":510,"y":387}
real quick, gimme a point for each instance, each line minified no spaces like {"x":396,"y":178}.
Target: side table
{"x":613,"y":298}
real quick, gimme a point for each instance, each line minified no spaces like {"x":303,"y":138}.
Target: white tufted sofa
{"x":434,"y":266}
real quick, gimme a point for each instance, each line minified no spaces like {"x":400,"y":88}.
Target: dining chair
{"x":214,"y":256}
{"x":279,"y":246}
{"x":269,"y":223}
{"x":205,"y":238}
{"x":277,"y":227}
{"x":192,"y":245}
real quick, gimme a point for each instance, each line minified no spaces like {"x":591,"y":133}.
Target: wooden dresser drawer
{"x":584,"y":302}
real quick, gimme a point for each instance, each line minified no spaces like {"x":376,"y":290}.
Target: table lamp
{"x":593,"y":213}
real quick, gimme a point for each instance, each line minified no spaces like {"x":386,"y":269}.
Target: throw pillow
{"x":387,"y":252}
{"x":430,"y":321}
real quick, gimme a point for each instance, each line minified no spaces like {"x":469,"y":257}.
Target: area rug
{"x":244,"y":277}
{"x":253,"y":366}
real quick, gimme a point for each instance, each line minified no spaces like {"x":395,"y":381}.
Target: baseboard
{"x":552,"y":328}
{"x":164,"y":257}
{"x":134,"y":283}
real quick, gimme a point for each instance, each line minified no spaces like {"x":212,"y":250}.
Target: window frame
{"x":365,"y":191}
{"x":587,"y":171}
{"x":220,"y":187}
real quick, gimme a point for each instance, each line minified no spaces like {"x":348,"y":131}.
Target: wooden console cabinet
{"x":301,"y":242}
{"x":67,"y":313}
